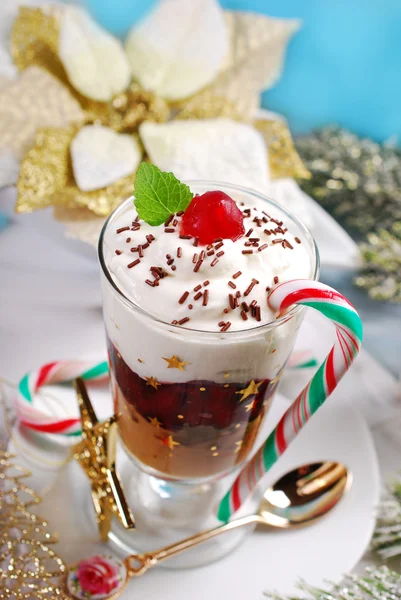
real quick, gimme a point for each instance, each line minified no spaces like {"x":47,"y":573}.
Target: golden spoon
{"x":297,"y":499}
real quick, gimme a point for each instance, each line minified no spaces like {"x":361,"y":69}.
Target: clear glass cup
{"x":188,"y":427}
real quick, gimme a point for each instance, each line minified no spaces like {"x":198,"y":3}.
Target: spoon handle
{"x":137,"y":564}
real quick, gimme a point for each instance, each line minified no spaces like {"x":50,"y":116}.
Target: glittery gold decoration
{"x":45,"y":170}
{"x":127,"y":110}
{"x":154,"y":421}
{"x":46,"y":178}
{"x":175,"y":363}
{"x":257,"y":45}
{"x":96,"y":455}
{"x":250,"y":406}
{"x":34,"y":39}
{"x":283,"y":158}
{"x":29,"y":568}
{"x":253,"y":388}
{"x":21,"y":113}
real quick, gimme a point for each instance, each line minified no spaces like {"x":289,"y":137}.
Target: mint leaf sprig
{"x":158,"y":194}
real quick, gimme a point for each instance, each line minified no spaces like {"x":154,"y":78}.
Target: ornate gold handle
{"x":137,"y":564}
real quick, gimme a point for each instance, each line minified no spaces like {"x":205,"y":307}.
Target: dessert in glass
{"x":195,"y":352}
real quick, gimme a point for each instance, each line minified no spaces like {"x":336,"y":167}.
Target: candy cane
{"x":54,"y":372}
{"x":349,"y":337}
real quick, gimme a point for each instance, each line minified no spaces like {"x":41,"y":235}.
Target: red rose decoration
{"x":97,"y":576}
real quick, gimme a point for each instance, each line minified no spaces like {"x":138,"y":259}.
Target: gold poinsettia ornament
{"x":114,"y":88}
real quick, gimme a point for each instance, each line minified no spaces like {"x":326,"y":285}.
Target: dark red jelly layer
{"x":213,"y":426}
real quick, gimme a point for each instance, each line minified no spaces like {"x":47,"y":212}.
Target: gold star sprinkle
{"x":169,"y":442}
{"x":152,"y":381}
{"x":175,"y":363}
{"x":250,"y":406}
{"x":239,"y":446}
{"x":253,"y":388}
{"x":154,"y":421}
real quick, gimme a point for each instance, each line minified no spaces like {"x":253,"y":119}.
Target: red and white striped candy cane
{"x":54,"y":372}
{"x":349,"y":337}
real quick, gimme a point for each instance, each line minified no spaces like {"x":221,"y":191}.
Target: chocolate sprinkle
{"x":140,"y":251}
{"x":198,"y":295}
{"x":128,"y":240}
{"x":198,"y":265}
{"x":196,"y":241}
{"x":247,"y":252}
{"x":258,"y":317}
{"x":118,"y":252}
{"x":183,"y":298}
{"x":221,"y":323}
{"x":134,"y":263}
{"x":232,"y":284}
{"x":210,"y":252}
{"x":221,"y":253}
{"x":205,"y":298}
{"x":245,"y":306}
{"x":263,"y":247}
{"x":184,"y":320}
{"x":190,"y":306}
{"x":226,"y":326}
{"x":167,"y":223}
{"x":122,"y":229}
{"x":244,"y":315}
{"x":298,"y":241}
{"x":179,"y":252}
{"x":214,"y":262}
{"x":205,"y":283}
{"x":185,"y":237}
{"x":197,"y":288}
{"x":237,"y":274}
{"x":219,"y":245}
{"x":231,"y":300}
{"x":149,"y":282}
{"x":195,"y":258}
{"x":248,"y":233}
{"x":169,"y":230}
{"x":275,"y":280}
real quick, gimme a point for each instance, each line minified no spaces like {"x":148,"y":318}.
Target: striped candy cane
{"x":54,"y":372}
{"x":349,"y":337}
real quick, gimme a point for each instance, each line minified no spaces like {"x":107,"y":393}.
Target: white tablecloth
{"x":50,"y":308}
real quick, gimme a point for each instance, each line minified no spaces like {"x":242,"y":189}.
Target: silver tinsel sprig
{"x":378,"y":583}
{"x":381,"y":274}
{"x":359,"y":183}
{"x":387,"y":536}
{"x":357,"y":180}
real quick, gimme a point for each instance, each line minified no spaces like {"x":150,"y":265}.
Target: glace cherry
{"x":211,"y":216}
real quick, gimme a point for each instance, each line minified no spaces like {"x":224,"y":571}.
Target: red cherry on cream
{"x":211,"y":216}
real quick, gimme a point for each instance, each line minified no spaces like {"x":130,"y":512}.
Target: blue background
{"x":343,"y":66}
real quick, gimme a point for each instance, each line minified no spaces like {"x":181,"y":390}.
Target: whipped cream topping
{"x":219,"y":287}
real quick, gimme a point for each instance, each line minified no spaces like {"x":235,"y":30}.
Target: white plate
{"x":266,"y":560}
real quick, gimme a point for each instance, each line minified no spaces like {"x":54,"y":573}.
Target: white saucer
{"x":265,"y":560}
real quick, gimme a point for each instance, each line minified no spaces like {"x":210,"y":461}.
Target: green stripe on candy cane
{"x":53,"y":373}
{"x":349,"y":337}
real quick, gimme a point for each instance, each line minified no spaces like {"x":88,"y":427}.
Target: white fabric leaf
{"x":218,"y":149}
{"x":179,"y":48}
{"x":101,"y":156}
{"x":94,"y":60}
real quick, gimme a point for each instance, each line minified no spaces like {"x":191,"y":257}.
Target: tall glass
{"x":189,"y":403}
